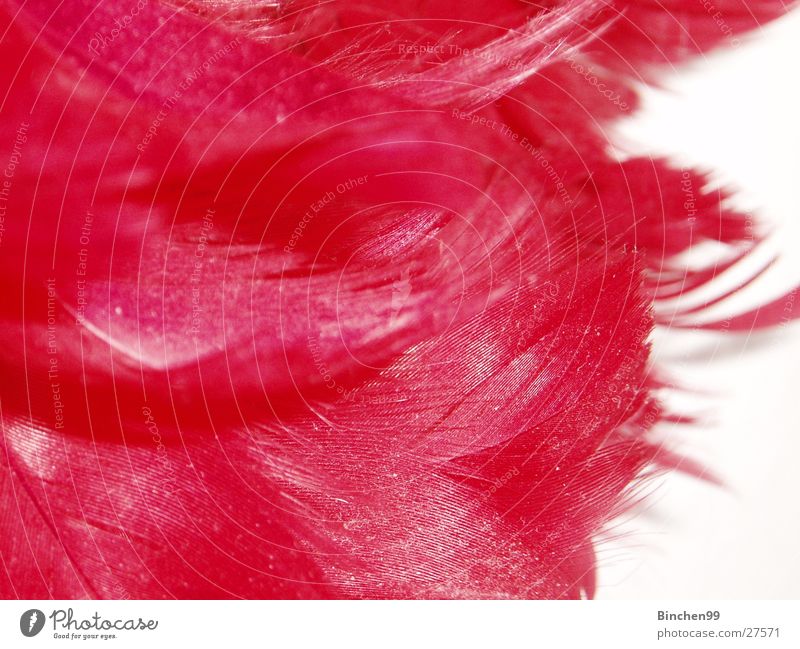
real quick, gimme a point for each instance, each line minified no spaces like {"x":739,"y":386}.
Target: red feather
{"x":313,"y":299}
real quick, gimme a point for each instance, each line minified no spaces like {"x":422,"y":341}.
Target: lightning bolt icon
{"x":32,"y":621}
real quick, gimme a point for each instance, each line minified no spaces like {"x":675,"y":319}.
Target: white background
{"x":389,"y":624}
{"x":735,"y":113}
